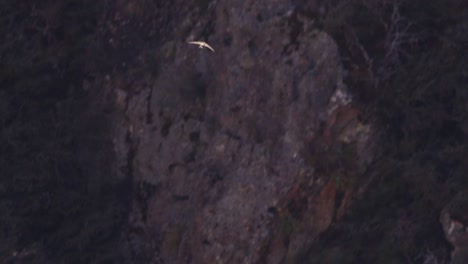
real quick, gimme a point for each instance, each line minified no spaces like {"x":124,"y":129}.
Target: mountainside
{"x":313,"y":133}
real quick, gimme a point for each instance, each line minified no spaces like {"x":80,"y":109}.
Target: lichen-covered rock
{"x":246,"y":154}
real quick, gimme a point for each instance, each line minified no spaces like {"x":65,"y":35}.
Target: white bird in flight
{"x":202,"y":45}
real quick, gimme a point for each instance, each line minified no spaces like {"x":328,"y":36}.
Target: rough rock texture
{"x":117,"y":137}
{"x":243,"y":155}
{"x":454,"y":220}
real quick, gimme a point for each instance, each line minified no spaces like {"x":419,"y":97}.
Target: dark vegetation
{"x":407,"y":67}
{"x":58,"y":200}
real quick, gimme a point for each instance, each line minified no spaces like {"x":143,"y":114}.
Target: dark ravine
{"x":315,"y":133}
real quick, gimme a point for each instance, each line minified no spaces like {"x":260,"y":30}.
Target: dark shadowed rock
{"x":454,"y":220}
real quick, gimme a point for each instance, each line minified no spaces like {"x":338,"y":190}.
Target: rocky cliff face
{"x":243,"y":155}
{"x":314,"y":133}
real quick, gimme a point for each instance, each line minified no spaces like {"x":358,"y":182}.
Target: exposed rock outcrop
{"x":454,"y":220}
{"x":118,"y":137}
{"x":246,"y":154}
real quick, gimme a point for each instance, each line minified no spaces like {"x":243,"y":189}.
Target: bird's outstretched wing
{"x":202,"y":44}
